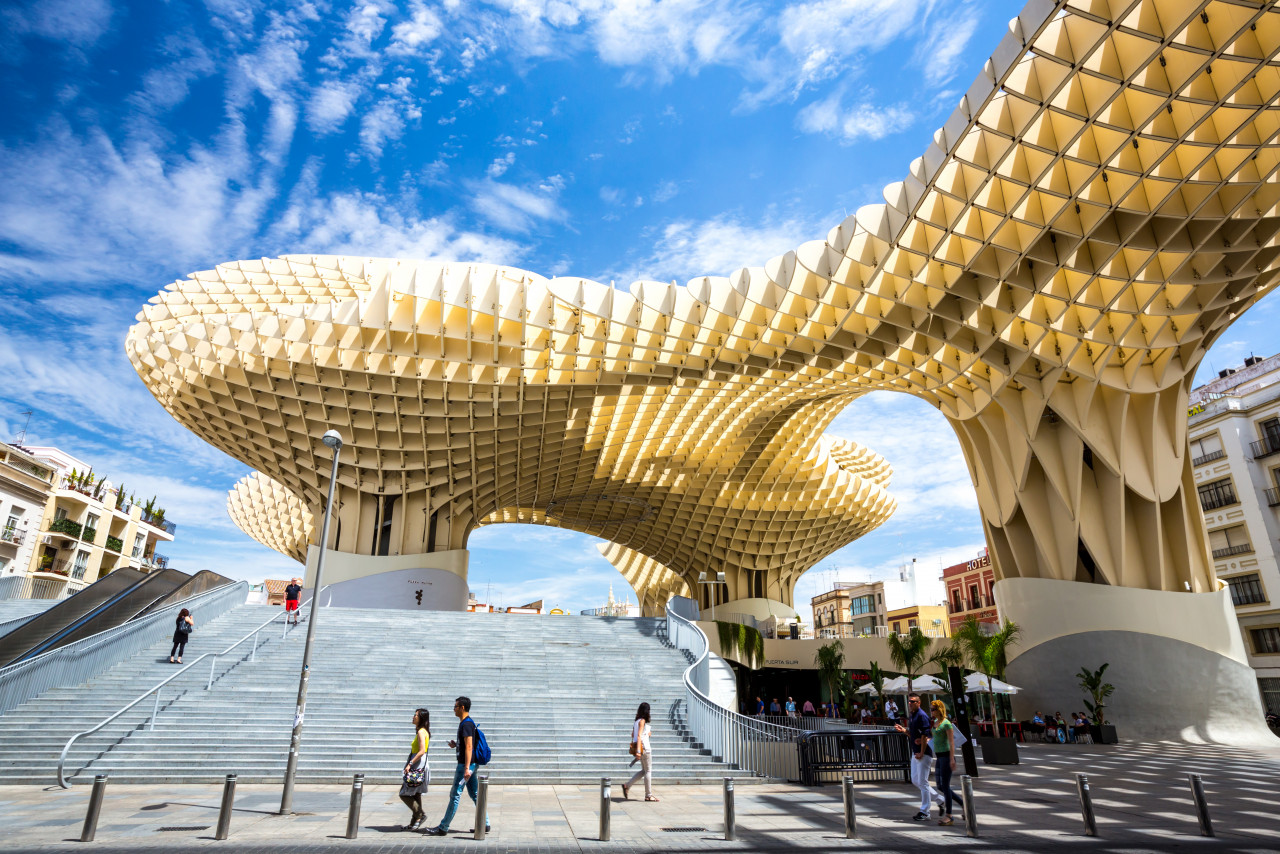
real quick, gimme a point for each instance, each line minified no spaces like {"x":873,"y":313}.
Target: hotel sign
{"x":979,"y":562}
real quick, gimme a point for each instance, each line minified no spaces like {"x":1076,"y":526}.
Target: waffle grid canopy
{"x":1099,"y":208}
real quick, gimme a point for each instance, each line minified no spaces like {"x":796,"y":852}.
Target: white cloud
{"x":685,"y":249}
{"x":665,"y":192}
{"x":79,"y":23}
{"x":939,"y":54}
{"x":331,"y":103}
{"x":513,"y":208}
{"x":500,"y":165}
{"x":411,"y":36}
{"x":382,"y":124}
{"x":849,"y":124}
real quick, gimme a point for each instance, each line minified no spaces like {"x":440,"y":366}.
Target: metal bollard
{"x":1086,"y":805}
{"x":730,"y":816}
{"x":482,"y":806}
{"x":353,"y":811}
{"x":228,"y":804}
{"x":604,"y":809}
{"x":1202,"y":806}
{"x":970,"y":810}
{"x":850,"y":809}
{"x":95,"y":808}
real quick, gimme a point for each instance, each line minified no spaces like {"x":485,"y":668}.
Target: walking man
{"x":291,"y":594}
{"x":920,"y":730}
{"x":465,"y":776}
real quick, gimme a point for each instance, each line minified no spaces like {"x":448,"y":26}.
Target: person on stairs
{"x":291,"y":599}
{"x":182,"y":629}
{"x":465,"y":775}
{"x":640,"y":749}
{"x":417,"y":774}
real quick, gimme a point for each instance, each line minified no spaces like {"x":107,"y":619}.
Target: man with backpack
{"x":473,"y":751}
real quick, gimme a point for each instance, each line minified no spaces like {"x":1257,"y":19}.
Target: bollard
{"x":353,"y":811}
{"x":850,"y":809}
{"x":1202,"y":806}
{"x":604,"y":809}
{"x":1086,"y":805}
{"x":95,"y":808}
{"x":482,"y":806}
{"x":970,"y":810}
{"x":228,"y":803}
{"x":730,"y":817}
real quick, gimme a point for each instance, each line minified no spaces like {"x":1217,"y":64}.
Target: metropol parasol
{"x":1049,"y":274}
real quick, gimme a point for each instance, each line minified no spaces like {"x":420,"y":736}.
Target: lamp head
{"x":720,"y":578}
{"x":702,"y":578}
{"x":333,"y":439}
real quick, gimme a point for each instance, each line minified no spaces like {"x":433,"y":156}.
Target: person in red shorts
{"x":291,"y":594}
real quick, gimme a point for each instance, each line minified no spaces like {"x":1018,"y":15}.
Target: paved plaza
{"x":1140,"y":795}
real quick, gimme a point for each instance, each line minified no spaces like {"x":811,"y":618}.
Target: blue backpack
{"x":481,"y":754}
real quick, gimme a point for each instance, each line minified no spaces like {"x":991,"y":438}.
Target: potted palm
{"x":1091,"y":683}
{"x":988,"y":654}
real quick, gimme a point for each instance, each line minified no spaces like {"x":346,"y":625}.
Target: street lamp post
{"x":708,"y":579}
{"x":334,"y":440}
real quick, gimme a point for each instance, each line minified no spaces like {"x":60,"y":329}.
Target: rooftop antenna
{"x":22,"y":435}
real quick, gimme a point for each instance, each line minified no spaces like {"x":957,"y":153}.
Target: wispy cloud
{"x":519,"y":209}
{"x":848,"y":124}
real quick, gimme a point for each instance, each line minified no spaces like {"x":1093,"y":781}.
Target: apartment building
{"x":86,"y":526}
{"x":25,"y":486}
{"x":929,"y":619}
{"x":1234,"y":431}
{"x":970,"y":592}
{"x":849,"y":609}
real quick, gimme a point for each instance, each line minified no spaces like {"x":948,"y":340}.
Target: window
{"x":1206,"y":449}
{"x":897,"y":627}
{"x":1218,"y":493}
{"x":139,"y":541}
{"x":10,"y":527}
{"x":1270,"y":688}
{"x":955,"y":599}
{"x":911,"y":624}
{"x":1226,"y":542}
{"x":90,"y":528}
{"x":1266,"y":640}
{"x":59,"y":513}
{"x":1270,"y":441}
{"x":973,"y":596}
{"x":81,"y":564}
{"x":1246,"y":589}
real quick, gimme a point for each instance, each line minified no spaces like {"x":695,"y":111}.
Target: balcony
{"x":1265,"y":447}
{"x":50,"y":566}
{"x":12,"y":537}
{"x":1218,"y":498}
{"x":1232,"y":550}
{"x":155,"y":561}
{"x":66,"y":526}
{"x":1208,"y":458}
{"x":161,"y":523}
{"x":115,"y":544}
{"x":1273,"y":496}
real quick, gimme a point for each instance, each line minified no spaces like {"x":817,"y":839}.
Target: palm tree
{"x":988,"y":654}
{"x":830,"y":664}
{"x":877,"y":682}
{"x":909,"y":653}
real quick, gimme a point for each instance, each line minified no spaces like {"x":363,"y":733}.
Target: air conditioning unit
{"x":46,"y":539}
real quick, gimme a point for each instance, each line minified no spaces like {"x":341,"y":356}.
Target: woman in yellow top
{"x":411,"y":789}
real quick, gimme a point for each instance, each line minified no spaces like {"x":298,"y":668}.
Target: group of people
{"x":788,"y":708}
{"x":1078,"y":726}
{"x":417,"y":772}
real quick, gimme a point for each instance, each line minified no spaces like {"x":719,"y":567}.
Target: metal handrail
{"x":77,"y":661}
{"x":767,"y":749}
{"x":155,"y":689}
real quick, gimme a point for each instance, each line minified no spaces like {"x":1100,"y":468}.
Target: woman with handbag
{"x":181,"y":634}
{"x":417,"y":774}
{"x":640,"y":750}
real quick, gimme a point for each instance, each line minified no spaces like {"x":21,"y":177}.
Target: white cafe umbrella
{"x":925,"y":684}
{"x":866,"y":689}
{"x":976,"y":683}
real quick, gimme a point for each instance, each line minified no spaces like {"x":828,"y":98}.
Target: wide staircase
{"x":555,"y":697}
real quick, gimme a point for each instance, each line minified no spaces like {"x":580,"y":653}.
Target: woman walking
{"x":417,"y":774}
{"x":181,"y":632}
{"x":944,"y":748}
{"x":640,"y":750}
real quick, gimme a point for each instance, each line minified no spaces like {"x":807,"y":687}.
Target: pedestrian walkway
{"x":1140,"y":795}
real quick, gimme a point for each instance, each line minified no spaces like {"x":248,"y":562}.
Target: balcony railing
{"x":1232,"y":550}
{"x":115,"y":544}
{"x":89,"y":535}
{"x":55,"y":567}
{"x":1208,"y":458}
{"x":1265,"y":447}
{"x":1273,"y":496}
{"x":66,"y":526}
{"x":12,"y":537}
{"x":156,"y":561}
{"x":161,"y":523}
{"x":968,"y":604}
{"x":1218,"y":498}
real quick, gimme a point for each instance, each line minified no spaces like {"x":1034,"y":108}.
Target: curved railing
{"x":155,"y":689}
{"x":78,"y":661}
{"x":744,"y":742}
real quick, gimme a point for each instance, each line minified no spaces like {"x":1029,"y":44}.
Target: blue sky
{"x":612,"y":140}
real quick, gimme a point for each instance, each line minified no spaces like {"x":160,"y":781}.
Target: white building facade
{"x":1234,"y":432}
{"x":25,"y":485}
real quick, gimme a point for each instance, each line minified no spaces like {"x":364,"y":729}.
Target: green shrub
{"x":746,"y":641}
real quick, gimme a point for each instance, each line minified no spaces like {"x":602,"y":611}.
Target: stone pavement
{"x":1140,"y":795}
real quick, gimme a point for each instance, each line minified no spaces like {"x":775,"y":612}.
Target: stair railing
{"x":155,"y":689}
{"x":77,"y":662}
{"x":744,"y":742}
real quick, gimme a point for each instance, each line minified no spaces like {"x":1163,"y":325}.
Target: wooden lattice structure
{"x":1101,"y":206}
